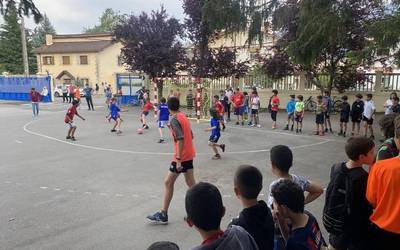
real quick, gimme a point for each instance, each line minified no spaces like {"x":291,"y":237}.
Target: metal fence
{"x":18,"y":87}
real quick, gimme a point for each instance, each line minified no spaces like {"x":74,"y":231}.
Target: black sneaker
{"x":326,"y":130}
{"x":146,"y":127}
{"x":223,"y":147}
{"x":73,"y":138}
{"x":223,"y":127}
{"x":161,"y":141}
{"x":372,"y":137}
{"x":300,"y":131}
{"x":242,"y":123}
{"x":68,"y":137}
{"x":158,"y":218}
{"x":113,"y":130}
{"x":291,"y":128}
{"x":297,"y":131}
{"x":286,"y":128}
{"x":344,"y":134}
{"x":237,"y":123}
{"x":331,"y":130}
{"x":340,"y":133}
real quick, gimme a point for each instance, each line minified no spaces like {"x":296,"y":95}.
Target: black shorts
{"x":319,"y":118}
{"x":214,"y":139}
{"x":186,"y":165}
{"x":254,"y":111}
{"x":327,"y":115}
{"x":273,"y":115}
{"x":298,"y":117}
{"x":145,"y":113}
{"x":357,"y":118}
{"x":344,"y":118}
{"x":369,"y":121}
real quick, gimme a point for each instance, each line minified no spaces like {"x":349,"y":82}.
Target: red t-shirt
{"x":275,"y":103}
{"x":147,"y":107}
{"x":219,"y":108}
{"x":35,"y":96}
{"x":70,"y":114}
{"x":238,"y":99}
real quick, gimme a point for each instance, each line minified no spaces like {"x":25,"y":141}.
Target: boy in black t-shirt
{"x":356,"y":114}
{"x":256,"y":217}
{"x":304,"y":232}
{"x":344,"y":116}
{"x":356,"y":226}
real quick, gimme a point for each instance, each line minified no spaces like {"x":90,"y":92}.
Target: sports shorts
{"x":186,"y":165}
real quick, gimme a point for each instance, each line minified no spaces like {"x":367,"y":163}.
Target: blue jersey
{"x":291,"y":106}
{"x":114,"y":110}
{"x":216,"y":132}
{"x":164,"y":112}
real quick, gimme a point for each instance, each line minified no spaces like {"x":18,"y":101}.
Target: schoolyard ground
{"x":96,"y":192}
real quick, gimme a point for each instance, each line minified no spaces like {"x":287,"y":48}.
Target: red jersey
{"x":238,"y":99}
{"x":274,"y":103}
{"x":70,"y":114}
{"x":147,"y":107}
{"x":219,"y":108}
{"x":35,"y":96}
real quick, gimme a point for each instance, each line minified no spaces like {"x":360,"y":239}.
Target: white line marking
{"x":44,"y":187}
{"x":135,"y":195}
{"x":119,"y":195}
{"x":89,"y":193}
{"x":56,"y":189}
{"x":17,"y":141}
{"x":103,"y":194}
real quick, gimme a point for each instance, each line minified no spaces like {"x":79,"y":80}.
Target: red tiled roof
{"x":73,"y":47}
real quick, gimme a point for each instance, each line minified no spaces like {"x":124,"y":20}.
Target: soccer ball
{"x":140,"y":131}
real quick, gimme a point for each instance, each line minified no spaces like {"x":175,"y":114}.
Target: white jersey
{"x":369,"y":108}
{"x":255,"y":102}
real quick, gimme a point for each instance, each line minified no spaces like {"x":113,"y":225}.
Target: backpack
{"x":337,"y":202}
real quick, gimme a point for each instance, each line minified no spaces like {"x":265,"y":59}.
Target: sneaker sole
{"x":156,"y":222}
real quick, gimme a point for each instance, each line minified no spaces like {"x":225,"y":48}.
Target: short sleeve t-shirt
{"x":357,"y":108}
{"x":219,"y":108}
{"x":147,"y":107}
{"x":299,"y":107}
{"x":255,"y":102}
{"x":238,"y":99}
{"x":369,"y":108}
{"x":306,"y":238}
{"x":71,"y":112}
{"x":114,"y":110}
{"x":164,"y":112}
{"x":345,"y":110}
{"x":275,"y":103}
{"x":302,"y":181}
{"x":216,"y":132}
{"x":290,"y":107}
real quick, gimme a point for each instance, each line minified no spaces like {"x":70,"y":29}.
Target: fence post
{"x":378,"y":81}
{"x":302,"y":81}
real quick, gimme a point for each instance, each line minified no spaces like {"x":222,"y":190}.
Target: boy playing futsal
{"x":69,"y":119}
{"x":215,"y":134}
{"x":163,"y":118}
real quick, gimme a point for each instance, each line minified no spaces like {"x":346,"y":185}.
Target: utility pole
{"x":24,"y":48}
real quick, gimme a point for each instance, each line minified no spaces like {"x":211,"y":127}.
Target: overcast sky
{"x":72,"y":16}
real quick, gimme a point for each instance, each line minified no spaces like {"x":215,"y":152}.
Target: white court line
{"x":25,"y":127}
{"x":17,"y":141}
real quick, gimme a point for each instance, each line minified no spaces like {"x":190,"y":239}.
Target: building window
{"x":83,"y":60}
{"x":66,"y":60}
{"x":48,"y":60}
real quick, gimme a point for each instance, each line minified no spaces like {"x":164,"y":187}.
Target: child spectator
{"x":319,"y":117}
{"x":205,"y":104}
{"x":368,"y":116}
{"x":395,"y":108}
{"x":238,"y":105}
{"x":255,"y":107}
{"x":146,"y":109}
{"x":346,"y":209}
{"x":163,"y":245}
{"x":189,"y":102}
{"x":114,"y":114}
{"x":163,"y":117}
{"x":274,"y":107}
{"x":383,"y":194}
{"x":69,"y":119}
{"x":255,"y":217}
{"x":388,"y":149}
{"x":281,"y":161}
{"x":290,"y":109}
{"x":219,"y":107}
{"x":204,"y":208}
{"x":327,"y":100}
{"x":344,"y":116}
{"x":246,"y":106}
{"x":357,"y":109}
{"x":304,"y":232}
{"x":299,"y":113}
{"x":35,"y":99}
{"x":215,"y":134}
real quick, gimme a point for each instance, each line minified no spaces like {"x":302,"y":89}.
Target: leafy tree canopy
{"x":107,"y":21}
{"x":24,"y":7}
{"x":38,"y":36}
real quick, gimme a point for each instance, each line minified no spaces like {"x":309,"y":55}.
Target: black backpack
{"x":337,"y":202}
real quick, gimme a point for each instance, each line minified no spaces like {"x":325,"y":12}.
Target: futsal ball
{"x":140,"y":131}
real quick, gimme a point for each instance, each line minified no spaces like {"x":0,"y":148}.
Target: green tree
{"x":38,"y":37}
{"x":11,"y":46}
{"x":24,"y":7}
{"x":108,"y":20}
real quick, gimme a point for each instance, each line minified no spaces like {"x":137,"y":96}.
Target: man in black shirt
{"x":256,"y":217}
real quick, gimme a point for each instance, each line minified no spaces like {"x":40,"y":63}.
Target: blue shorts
{"x":245,"y":110}
{"x":162,"y":124}
{"x":238,"y":111}
{"x":214,"y":138}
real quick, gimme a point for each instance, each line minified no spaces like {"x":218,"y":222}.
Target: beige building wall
{"x":108,"y":67}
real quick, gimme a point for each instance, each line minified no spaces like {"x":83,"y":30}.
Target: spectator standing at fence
{"x":205,"y":104}
{"x":274,"y":107}
{"x":389,"y":148}
{"x":108,"y":94}
{"x":327,"y":100}
{"x":389,"y":103}
{"x":299,"y":113}
{"x":290,"y":108}
{"x":395,"y":108}
{"x":238,"y":99}
{"x":344,"y":116}
{"x":189,"y":102}
{"x":71,"y":92}
{"x":44,"y":94}
{"x":368,"y":116}
{"x":356,"y":113}
{"x":97,"y":89}
{"x":35,"y":99}
{"x":65,"y":93}
{"x":119,"y":96}
{"x":140,"y":93}
{"x":228,"y":94}
{"x":88,"y":91}
{"x":319,"y":116}
{"x":383,"y":194}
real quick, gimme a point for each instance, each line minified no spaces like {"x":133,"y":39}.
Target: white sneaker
{"x":258,"y":126}
{"x":252,"y":125}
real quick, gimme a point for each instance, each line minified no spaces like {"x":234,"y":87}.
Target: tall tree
{"x":107,"y":21}
{"x":38,"y":37}
{"x":11,"y":45}
{"x":24,"y":7}
{"x":152,"y":44}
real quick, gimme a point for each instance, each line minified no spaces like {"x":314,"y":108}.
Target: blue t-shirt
{"x":114,"y":110}
{"x":164,"y":112}
{"x":291,"y":106}
{"x":216,"y":131}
